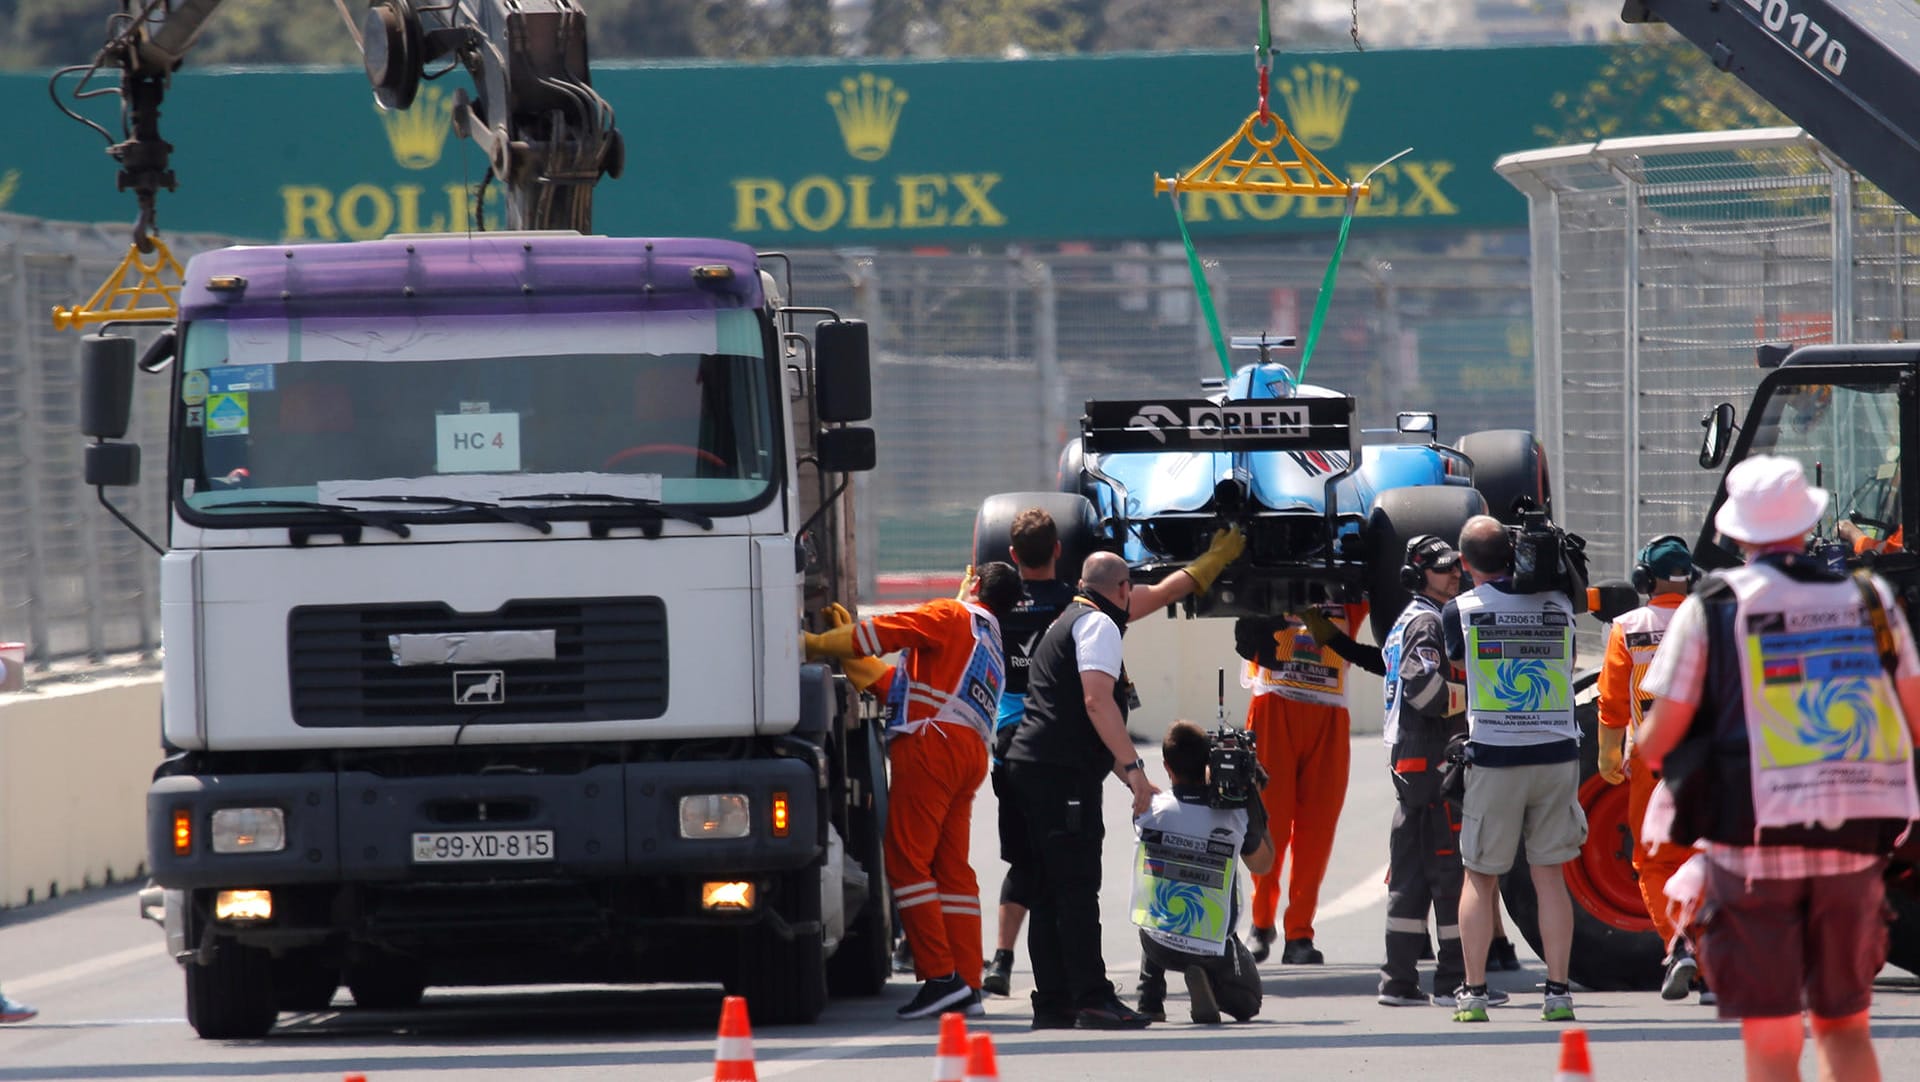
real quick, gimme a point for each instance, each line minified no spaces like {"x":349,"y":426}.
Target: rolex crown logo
{"x":1318,"y":97}
{"x":420,"y":133}
{"x":9,"y":184}
{"x":868,"y":110}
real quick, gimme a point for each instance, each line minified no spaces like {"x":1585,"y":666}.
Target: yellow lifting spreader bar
{"x":136,"y":289}
{"x":1253,"y":171}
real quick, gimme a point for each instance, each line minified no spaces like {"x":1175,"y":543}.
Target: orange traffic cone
{"x":733,"y":1052}
{"x":355,"y":1078}
{"x":950,"y":1056}
{"x":1575,"y":1065}
{"x":980,"y":1064}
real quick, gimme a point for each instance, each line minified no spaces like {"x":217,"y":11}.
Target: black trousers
{"x":1016,"y":849}
{"x":1062,"y":812}
{"x":1424,"y":873}
{"x":1235,"y":976}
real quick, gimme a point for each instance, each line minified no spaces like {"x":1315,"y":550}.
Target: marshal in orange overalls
{"x":942,"y":700}
{"x":1299,"y":721}
{"x":1631,"y":642}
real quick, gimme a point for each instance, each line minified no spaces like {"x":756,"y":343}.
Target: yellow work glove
{"x":1613,"y":750}
{"x":1317,"y":624}
{"x":833,"y":642}
{"x":862,"y":672}
{"x":1456,"y":698}
{"x":967,"y":583}
{"x":1228,"y":544}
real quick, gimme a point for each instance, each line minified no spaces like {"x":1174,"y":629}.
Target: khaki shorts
{"x":1506,"y":804}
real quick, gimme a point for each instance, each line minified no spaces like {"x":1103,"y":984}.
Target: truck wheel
{"x":1073,"y":514}
{"x":785,"y":980}
{"x":863,"y":962}
{"x":386,"y":985}
{"x":230,"y":996}
{"x":303,"y":982}
{"x":1399,"y":515}
{"x":1508,"y":464}
{"x":1615,"y":948}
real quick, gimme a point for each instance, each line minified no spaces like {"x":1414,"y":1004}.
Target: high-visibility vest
{"x":1519,"y":667}
{"x":1631,"y":645}
{"x":1308,"y":672}
{"x":1184,"y":871}
{"x":1392,"y":655}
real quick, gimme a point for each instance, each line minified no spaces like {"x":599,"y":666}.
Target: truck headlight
{"x":715,"y":815}
{"x":249,"y":830}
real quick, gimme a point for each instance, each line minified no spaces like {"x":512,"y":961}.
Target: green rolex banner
{"x":834,"y":153}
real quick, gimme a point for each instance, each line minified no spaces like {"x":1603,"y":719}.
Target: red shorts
{"x":1771,"y":948}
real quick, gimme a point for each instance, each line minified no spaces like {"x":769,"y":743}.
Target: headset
{"x":1413,"y":576}
{"x":1643,"y":579}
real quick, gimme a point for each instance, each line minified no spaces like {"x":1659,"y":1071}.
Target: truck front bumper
{"x":611,"y":821}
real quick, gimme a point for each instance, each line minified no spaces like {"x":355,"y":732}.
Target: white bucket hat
{"x":1768,"y":499}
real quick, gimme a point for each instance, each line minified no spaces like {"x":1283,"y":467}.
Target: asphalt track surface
{"x":112,"y":1008}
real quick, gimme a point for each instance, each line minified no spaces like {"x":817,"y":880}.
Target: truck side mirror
{"x":842,"y":371}
{"x":112,"y":465}
{"x":106,"y":385}
{"x":1719,"y":425}
{"x":846,"y":450}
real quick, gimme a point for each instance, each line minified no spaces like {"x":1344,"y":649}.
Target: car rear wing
{"x":1201,"y":425}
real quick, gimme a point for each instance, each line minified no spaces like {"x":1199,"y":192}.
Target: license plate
{"x":471,"y":846}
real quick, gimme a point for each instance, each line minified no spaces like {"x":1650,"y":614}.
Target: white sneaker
{"x":1495,"y":998}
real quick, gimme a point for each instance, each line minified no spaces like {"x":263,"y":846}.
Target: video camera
{"x":1234,"y":777}
{"x":1547,"y":558}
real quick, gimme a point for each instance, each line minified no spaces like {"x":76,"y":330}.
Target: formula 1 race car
{"x":1327,"y":517}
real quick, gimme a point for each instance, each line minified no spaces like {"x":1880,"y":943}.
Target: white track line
{"x":1358,"y":898}
{"x":35,"y":982}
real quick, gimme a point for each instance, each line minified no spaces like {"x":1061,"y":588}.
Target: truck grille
{"x":610,"y":663}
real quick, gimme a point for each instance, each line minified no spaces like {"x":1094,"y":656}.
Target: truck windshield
{"x":1847,"y":438}
{"x":668,"y":406}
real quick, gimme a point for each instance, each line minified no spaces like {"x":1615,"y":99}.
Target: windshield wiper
{"x":364,"y":518}
{"x":505,"y":514}
{"x":653,"y":511}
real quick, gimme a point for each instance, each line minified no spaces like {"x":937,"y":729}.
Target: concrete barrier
{"x":1175,"y":663}
{"x":75,"y":761}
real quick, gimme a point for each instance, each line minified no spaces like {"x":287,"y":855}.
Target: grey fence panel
{"x":1677,"y":256}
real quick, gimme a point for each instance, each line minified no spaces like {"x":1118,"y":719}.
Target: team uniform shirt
{"x":1827,"y":742}
{"x":1518,"y":652}
{"x":1184,"y":870}
{"x":1631,"y":642}
{"x":1057,"y":730}
{"x":953,"y":668}
{"x":1042,"y":601}
{"x":1416,"y":665}
{"x":1306,"y":672}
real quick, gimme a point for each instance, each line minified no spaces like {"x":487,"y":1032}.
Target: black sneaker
{"x":1263,"y":943}
{"x":1679,"y":978}
{"x":998,"y":980}
{"x":1205,"y":1010}
{"x":1112,"y":1014}
{"x":1053,"y":1019}
{"x":935,"y":996}
{"x":1501,"y":956}
{"x":1300,"y":952}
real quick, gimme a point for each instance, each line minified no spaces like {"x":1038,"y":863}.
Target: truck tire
{"x":386,"y":984}
{"x":1508,"y":463}
{"x":863,"y":962}
{"x":784,"y":981}
{"x":1615,"y":948}
{"x":230,"y":996}
{"x":303,"y":982}
{"x":1398,"y":516}
{"x":1079,"y":527}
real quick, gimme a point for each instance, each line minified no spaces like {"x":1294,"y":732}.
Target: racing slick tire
{"x":1073,"y":515}
{"x":1615,"y":948}
{"x":1398,"y":516}
{"x":230,"y":994}
{"x":1508,"y":463}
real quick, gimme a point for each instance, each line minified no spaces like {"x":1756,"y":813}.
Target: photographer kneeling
{"x":1185,"y":874}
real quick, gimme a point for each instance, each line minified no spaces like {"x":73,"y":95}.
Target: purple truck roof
{"x":482,"y":272}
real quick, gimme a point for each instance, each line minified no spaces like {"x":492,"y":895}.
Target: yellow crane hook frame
{"x":141,"y":287}
{"x":1230,"y":169}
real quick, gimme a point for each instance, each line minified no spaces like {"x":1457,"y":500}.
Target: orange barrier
{"x":733,"y":1051}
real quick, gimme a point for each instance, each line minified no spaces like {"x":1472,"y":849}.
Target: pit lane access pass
{"x":476,"y":846}
{"x":1263,"y":424}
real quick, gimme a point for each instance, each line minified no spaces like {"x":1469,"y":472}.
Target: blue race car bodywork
{"x":1303,"y":495}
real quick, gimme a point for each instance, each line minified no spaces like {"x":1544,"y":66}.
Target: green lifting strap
{"x":1325,"y":300}
{"x":1200,"y":283}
